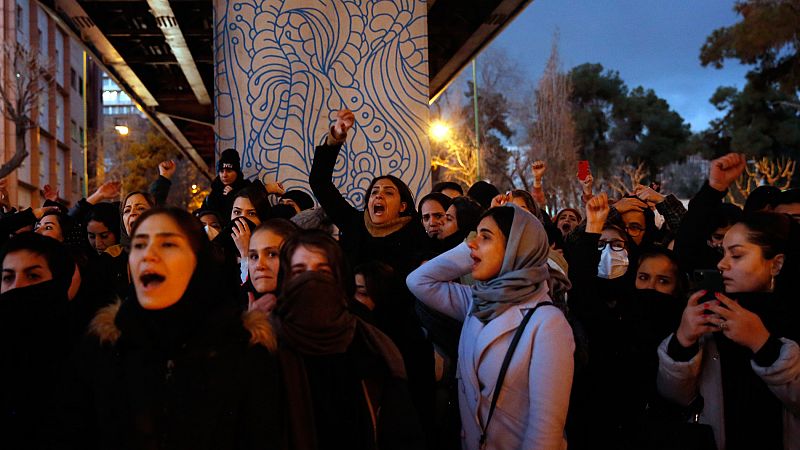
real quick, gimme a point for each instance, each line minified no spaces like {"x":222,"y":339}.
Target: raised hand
{"x":50,"y":193}
{"x":726,"y":170}
{"x":40,"y":212}
{"x":107,"y":191}
{"x":737,"y":323}
{"x":167,"y":169}
{"x":596,"y":213}
{"x":500,"y":200}
{"x":345,"y":119}
{"x":695,"y":322}
{"x":240,"y":233}
{"x":274,"y":187}
{"x":539,"y":167}
{"x":628,"y":204}
{"x":265,"y":303}
{"x":648,"y":195}
{"x":587,"y":184}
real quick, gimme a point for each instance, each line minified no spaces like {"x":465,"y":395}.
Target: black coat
{"x":34,"y":348}
{"x":223,"y":203}
{"x":139,"y":384}
{"x":403,"y":250}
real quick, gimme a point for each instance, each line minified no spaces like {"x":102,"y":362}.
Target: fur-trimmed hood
{"x":104,"y":327}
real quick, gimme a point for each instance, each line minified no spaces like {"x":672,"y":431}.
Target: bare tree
{"x":553,"y":135}
{"x":762,"y":172}
{"x":631,"y":177}
{"x":458,"y":157}
{"x":23,"y":81}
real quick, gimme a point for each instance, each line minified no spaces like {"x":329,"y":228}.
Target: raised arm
{"x":321,"y":176}
{"x":432,"y":283}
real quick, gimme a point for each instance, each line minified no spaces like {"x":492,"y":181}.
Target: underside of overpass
{"x":161,"y":53}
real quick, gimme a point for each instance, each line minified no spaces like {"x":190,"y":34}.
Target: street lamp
{"x":439,"y":131}
{"x":123,"y":130}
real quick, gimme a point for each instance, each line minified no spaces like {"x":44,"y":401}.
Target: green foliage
{"x":595,"y":96}
{"x":759,"y":120}
{"x":767,"y":37}
{"x":616,"y":125}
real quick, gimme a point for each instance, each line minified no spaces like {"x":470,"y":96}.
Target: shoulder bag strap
{"x":504,"y":368}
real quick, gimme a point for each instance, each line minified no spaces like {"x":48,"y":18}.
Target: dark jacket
{"x":403,"y":249}
{"x":691,"y":246}
{"x":624,"y":326}
{"x":205,"y":381}
{"x":223,"y":203}
{"x":34,"y":348}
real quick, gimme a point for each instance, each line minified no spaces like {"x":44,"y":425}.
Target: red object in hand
{"x":583,"y":169}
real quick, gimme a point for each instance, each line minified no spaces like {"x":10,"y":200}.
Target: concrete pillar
{"x":283,"y":67}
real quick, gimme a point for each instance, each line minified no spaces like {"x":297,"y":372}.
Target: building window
{"x":73,"y":79}
{"x":19,"y":18}
{"x":73,"y":131}
{"x":80,"y":86}
{"x":80,"y":139}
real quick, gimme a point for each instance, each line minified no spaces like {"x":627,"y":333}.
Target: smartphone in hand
{"x":583,"y":169}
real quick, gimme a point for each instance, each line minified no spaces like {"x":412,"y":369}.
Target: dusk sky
{"x":652,"y":43}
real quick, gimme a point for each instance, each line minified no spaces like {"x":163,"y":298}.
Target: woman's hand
{"x":167,"y":169}
{"x":50,"y":193}
{"x":107,"y":191}
{"x":648,"y":195}
{"x":726,"y":170}
{"x":265,"y":303}
{"x":344,"y":121}
{"x":500,"y":200}
{"x":587,"y":184}
{"x":274,"y":187}
{"x":596,"y":213}
{"x":539,"y":168}
{"x":628,"y":204}
{"x":738,"y":324}
{"x":241,"y":237}
{"x":695,"y":322}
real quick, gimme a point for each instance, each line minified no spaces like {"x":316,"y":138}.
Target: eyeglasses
{"x":617,"y":246}
{"x":634,"y":229}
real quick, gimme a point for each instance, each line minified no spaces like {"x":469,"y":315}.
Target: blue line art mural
{"x":283,"y":68}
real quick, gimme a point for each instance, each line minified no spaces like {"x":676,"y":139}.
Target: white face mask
{"x":612,"y":264}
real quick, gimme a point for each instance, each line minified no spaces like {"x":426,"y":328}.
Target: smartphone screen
{"x":708,"y":280}
{"x":583,"y":169}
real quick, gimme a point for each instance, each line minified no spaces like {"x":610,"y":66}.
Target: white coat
{"x":532,"y":407}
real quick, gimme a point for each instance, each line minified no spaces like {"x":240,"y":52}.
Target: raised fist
{"x":596,"y":213}
{"x":344,"y":121}
{"x":726,"y":170}
{"x":539,"y":168}
{"x":167,"y":168}
{"x":50,"y":193}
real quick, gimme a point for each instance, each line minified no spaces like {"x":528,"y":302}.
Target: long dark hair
{"x":257,"y":195}
{"x":776,"y":234}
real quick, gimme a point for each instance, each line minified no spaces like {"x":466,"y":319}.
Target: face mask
{"x":613,"y":264}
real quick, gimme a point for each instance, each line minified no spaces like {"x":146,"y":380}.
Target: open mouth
{"x":378,"y":209}
{"x":151,"y":280}
{"x":475,"y":261}
{"x":566,"y":228}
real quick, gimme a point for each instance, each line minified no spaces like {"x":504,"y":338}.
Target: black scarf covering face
{"x":316,"y":330}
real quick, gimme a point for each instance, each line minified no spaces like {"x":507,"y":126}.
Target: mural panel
{"x":283,"y":68}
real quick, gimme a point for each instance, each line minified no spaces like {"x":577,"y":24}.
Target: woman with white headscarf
{"x":510,"y":301}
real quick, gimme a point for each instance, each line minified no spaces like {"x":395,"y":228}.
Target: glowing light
{"x":123,"y":130}
{"x":439,"y":131}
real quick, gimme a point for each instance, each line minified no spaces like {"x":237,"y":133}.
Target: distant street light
{"x":123,"y":130}
{"x":439,"y":131}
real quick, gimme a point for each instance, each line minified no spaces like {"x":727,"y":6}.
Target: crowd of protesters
{"x":473,"y":321}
